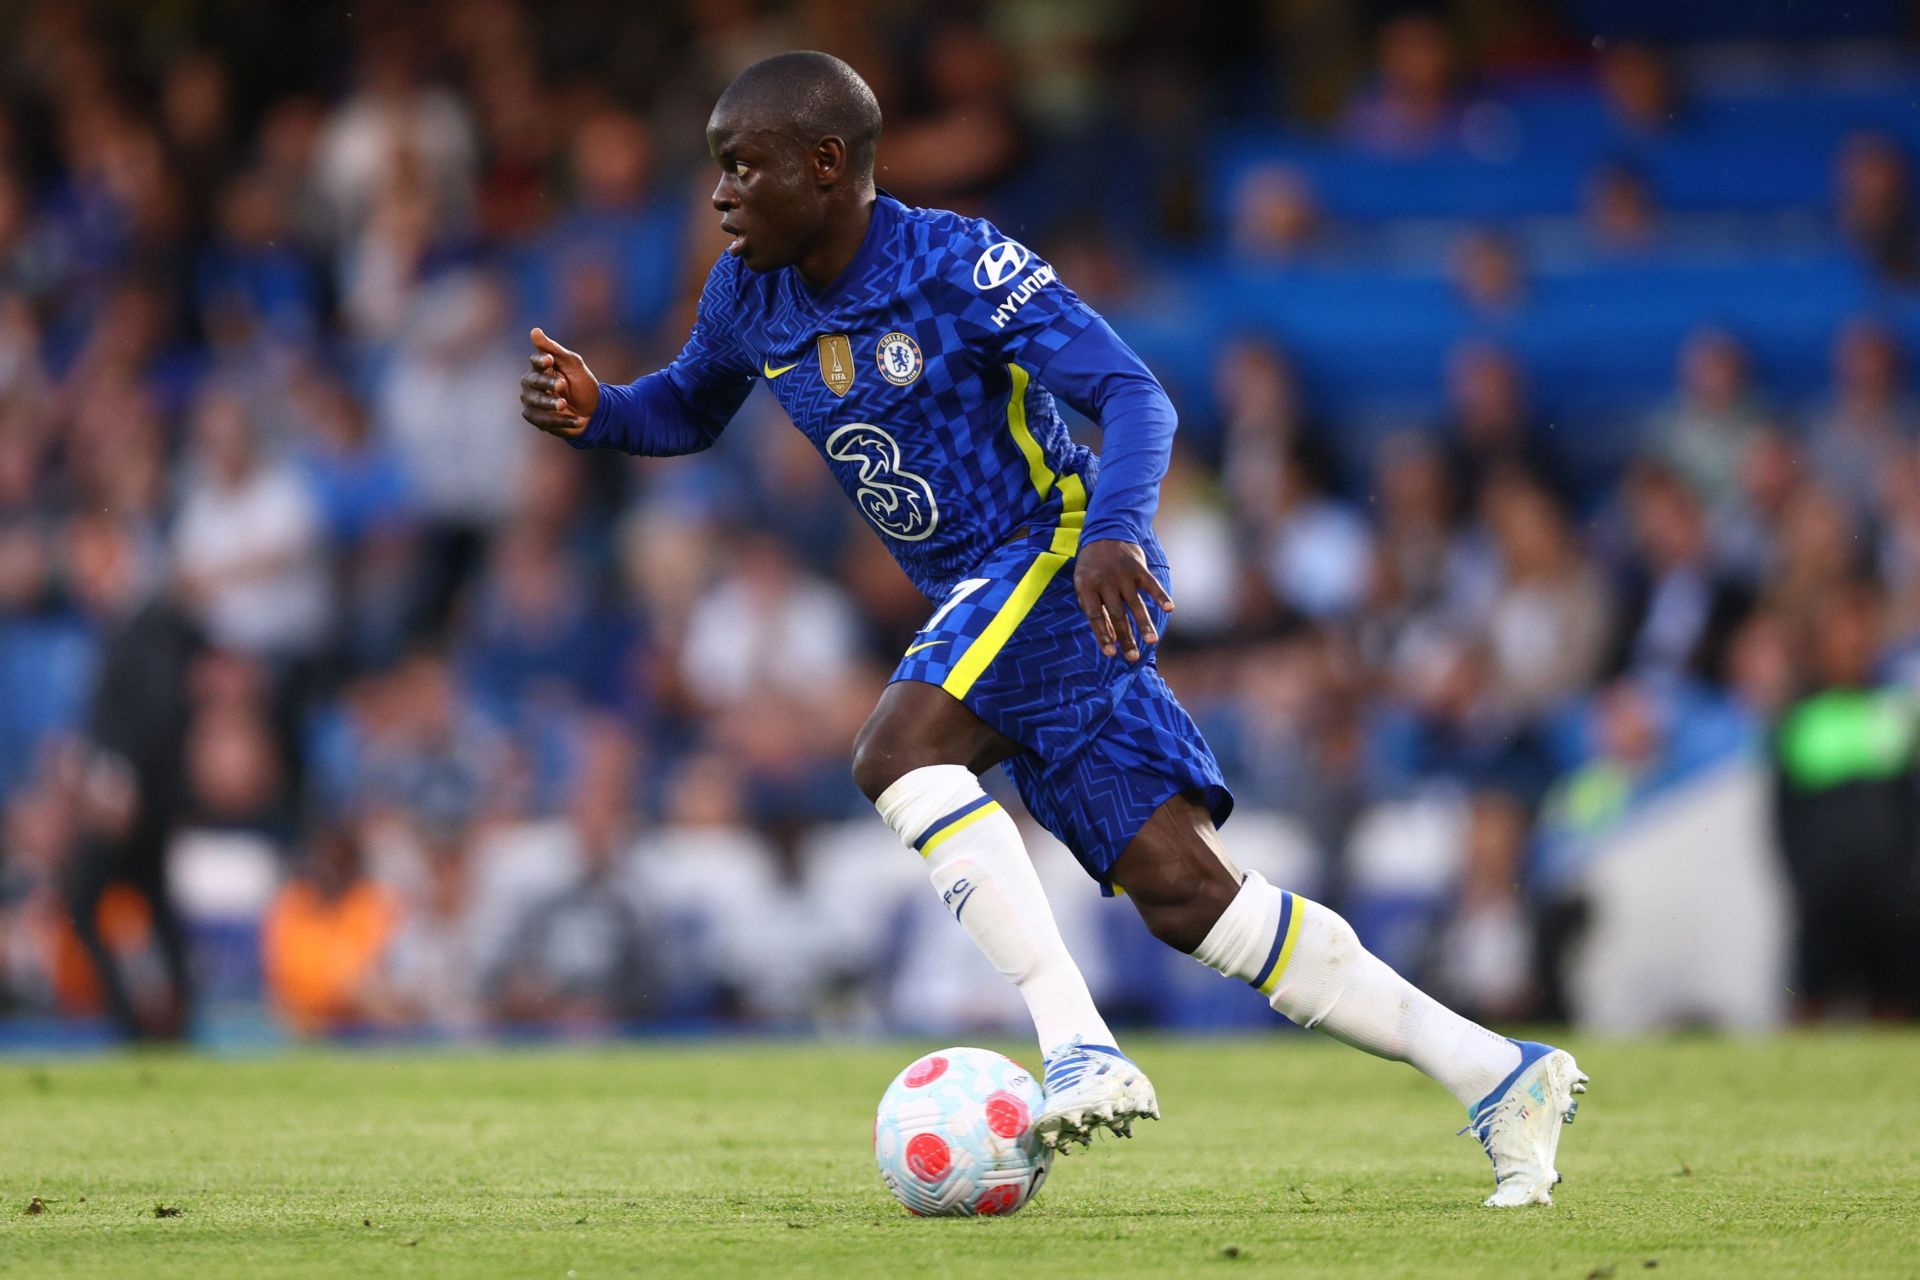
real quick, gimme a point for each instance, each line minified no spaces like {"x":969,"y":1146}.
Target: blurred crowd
{"x":323,"y":676}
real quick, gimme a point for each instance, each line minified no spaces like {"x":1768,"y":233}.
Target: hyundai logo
{"x":999,"y":264}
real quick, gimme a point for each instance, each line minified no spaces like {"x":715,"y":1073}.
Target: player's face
{"x":768,"y":208}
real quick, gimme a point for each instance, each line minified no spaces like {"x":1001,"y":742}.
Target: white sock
{"x":1310,"y":965}
{"x":981,"y":870}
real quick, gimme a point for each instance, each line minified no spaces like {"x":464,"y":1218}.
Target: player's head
{"x":794,"y":136}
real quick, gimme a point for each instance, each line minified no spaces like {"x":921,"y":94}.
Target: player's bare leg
{"x":918,"y":758}
{"x":1311,"y":967}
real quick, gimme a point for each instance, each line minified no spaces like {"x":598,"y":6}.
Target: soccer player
{"x":922,"y":352}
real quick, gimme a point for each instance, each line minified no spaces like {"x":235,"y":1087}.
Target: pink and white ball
{"x":954,"y":1135}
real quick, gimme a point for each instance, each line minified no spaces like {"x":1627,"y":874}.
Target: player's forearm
{"x":650,"y":417}
{"x":1101,"y":377}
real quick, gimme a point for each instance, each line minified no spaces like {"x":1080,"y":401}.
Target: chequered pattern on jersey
{"x":1107,"y":742}
{"x":914,"y":274}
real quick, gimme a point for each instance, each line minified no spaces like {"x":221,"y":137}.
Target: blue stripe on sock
{"x":942,"y":824}
{"x":1279,"y":939}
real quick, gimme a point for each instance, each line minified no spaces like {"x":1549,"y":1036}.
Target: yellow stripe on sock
{"x":1286,"y":948}
{"x":962,"y":825}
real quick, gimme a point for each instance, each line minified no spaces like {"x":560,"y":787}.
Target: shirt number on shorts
{"x":959,"y":593}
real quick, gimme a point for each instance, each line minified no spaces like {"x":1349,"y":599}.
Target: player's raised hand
{"x":559,"y":393}
{"x":1113,"y":582}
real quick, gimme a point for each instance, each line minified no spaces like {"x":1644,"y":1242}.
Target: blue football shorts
{"x":1106,"y":742}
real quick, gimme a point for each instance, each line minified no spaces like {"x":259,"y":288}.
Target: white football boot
{"x":1519,"y":1123}
{"x":1089,"y":1086}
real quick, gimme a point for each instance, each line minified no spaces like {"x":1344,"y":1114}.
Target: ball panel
{"x":925,"y":1072}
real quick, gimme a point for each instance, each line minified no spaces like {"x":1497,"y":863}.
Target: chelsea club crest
{"x":899,"y":359}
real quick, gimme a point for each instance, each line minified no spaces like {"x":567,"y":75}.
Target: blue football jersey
{"x":916,"y":376}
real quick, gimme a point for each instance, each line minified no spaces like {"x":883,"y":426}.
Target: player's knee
{"x":1181,"y":915}
{"x":878,"y":762}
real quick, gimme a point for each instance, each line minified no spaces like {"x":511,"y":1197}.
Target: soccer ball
{"x":954,"y":1135}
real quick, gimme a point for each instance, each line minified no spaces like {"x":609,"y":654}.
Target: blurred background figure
{"x":132,"y":786}
{"x":1849,"y":818}
{"x":325,"y":940}
{"x":585,"y":957}
{"x":1548,"y":481}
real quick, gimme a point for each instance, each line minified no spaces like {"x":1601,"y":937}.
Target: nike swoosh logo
{"x":772,"y":372}
{"x":918,"y":647}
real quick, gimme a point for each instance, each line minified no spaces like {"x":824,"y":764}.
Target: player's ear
{"x":829,"y":159}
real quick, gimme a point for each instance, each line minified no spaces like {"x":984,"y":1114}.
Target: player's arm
{"x":681,"y":409}
{"x":1101,"y":377}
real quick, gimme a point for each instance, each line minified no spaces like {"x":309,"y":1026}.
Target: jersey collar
{"x":879,"y":225}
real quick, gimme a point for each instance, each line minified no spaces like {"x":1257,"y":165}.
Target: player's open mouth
{"x":738,"y":242}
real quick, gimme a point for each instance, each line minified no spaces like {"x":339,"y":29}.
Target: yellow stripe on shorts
{"x":1046,"y":565}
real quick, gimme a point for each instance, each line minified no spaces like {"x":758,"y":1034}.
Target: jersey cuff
{"x":595,"y":434}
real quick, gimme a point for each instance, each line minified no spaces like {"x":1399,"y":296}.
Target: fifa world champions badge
{"x":836,"y":363}
{"x":899,"y":359}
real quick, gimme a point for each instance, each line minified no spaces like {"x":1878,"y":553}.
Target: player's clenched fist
{"x":559,"y":393}
{"x":1113,"y":582}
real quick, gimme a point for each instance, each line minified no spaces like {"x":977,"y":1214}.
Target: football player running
{"x":922,"y":353}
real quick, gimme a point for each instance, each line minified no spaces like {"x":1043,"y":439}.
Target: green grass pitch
{"x":1798,"y":1156}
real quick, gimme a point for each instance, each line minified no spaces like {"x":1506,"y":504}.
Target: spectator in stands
{"x":1617,"y":204}
{"x":1897,"y":558}
{"x":1715,"y":421}
{"x":395,"y":129}
{"x":252,"y":284}
{"x":1484,"y":952}
{"x":533,"y":641}
{"x":325,"y":939}
{"x":1640,"y":89}
{"x":1265,"y":429}
{"x":437,"y":963}
{"x":618,"y":230}
{"x":464,"y":454}
{"x":584,"y":958}
{"x":1678,"y":609}
{"x":1549,"y":621}
{"x":964,"y":136}
{"x":1818,"y":545}
{"x":1491,"y":428}
{"x":247,"y":544}
{"x":1276,"y":216}
{"x":766,"y":625}
{"x":1871,"y":421}
{"x":42,"y":968}
{"x":1627,"y":723}
{"x":1415,"y":103}
{"x":1874,"y":204}
{"x":1848,"y":815}
{"x":432,"y":754}
{"x":1488,"y":274}
{"x":1292,"y":729}
{"x":238,"y":773}
{"x":366,"y":508}
{"x":1196,"y":532}
{"x":1441,"y":724}
{"x":1318,"y":549}
{"x":1423,"y":566}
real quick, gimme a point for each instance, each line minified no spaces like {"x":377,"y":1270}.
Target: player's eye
{"x":739,"y":168}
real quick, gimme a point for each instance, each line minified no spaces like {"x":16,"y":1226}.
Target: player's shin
{"x":1310,"y":965}
{"x":980,"y":868}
